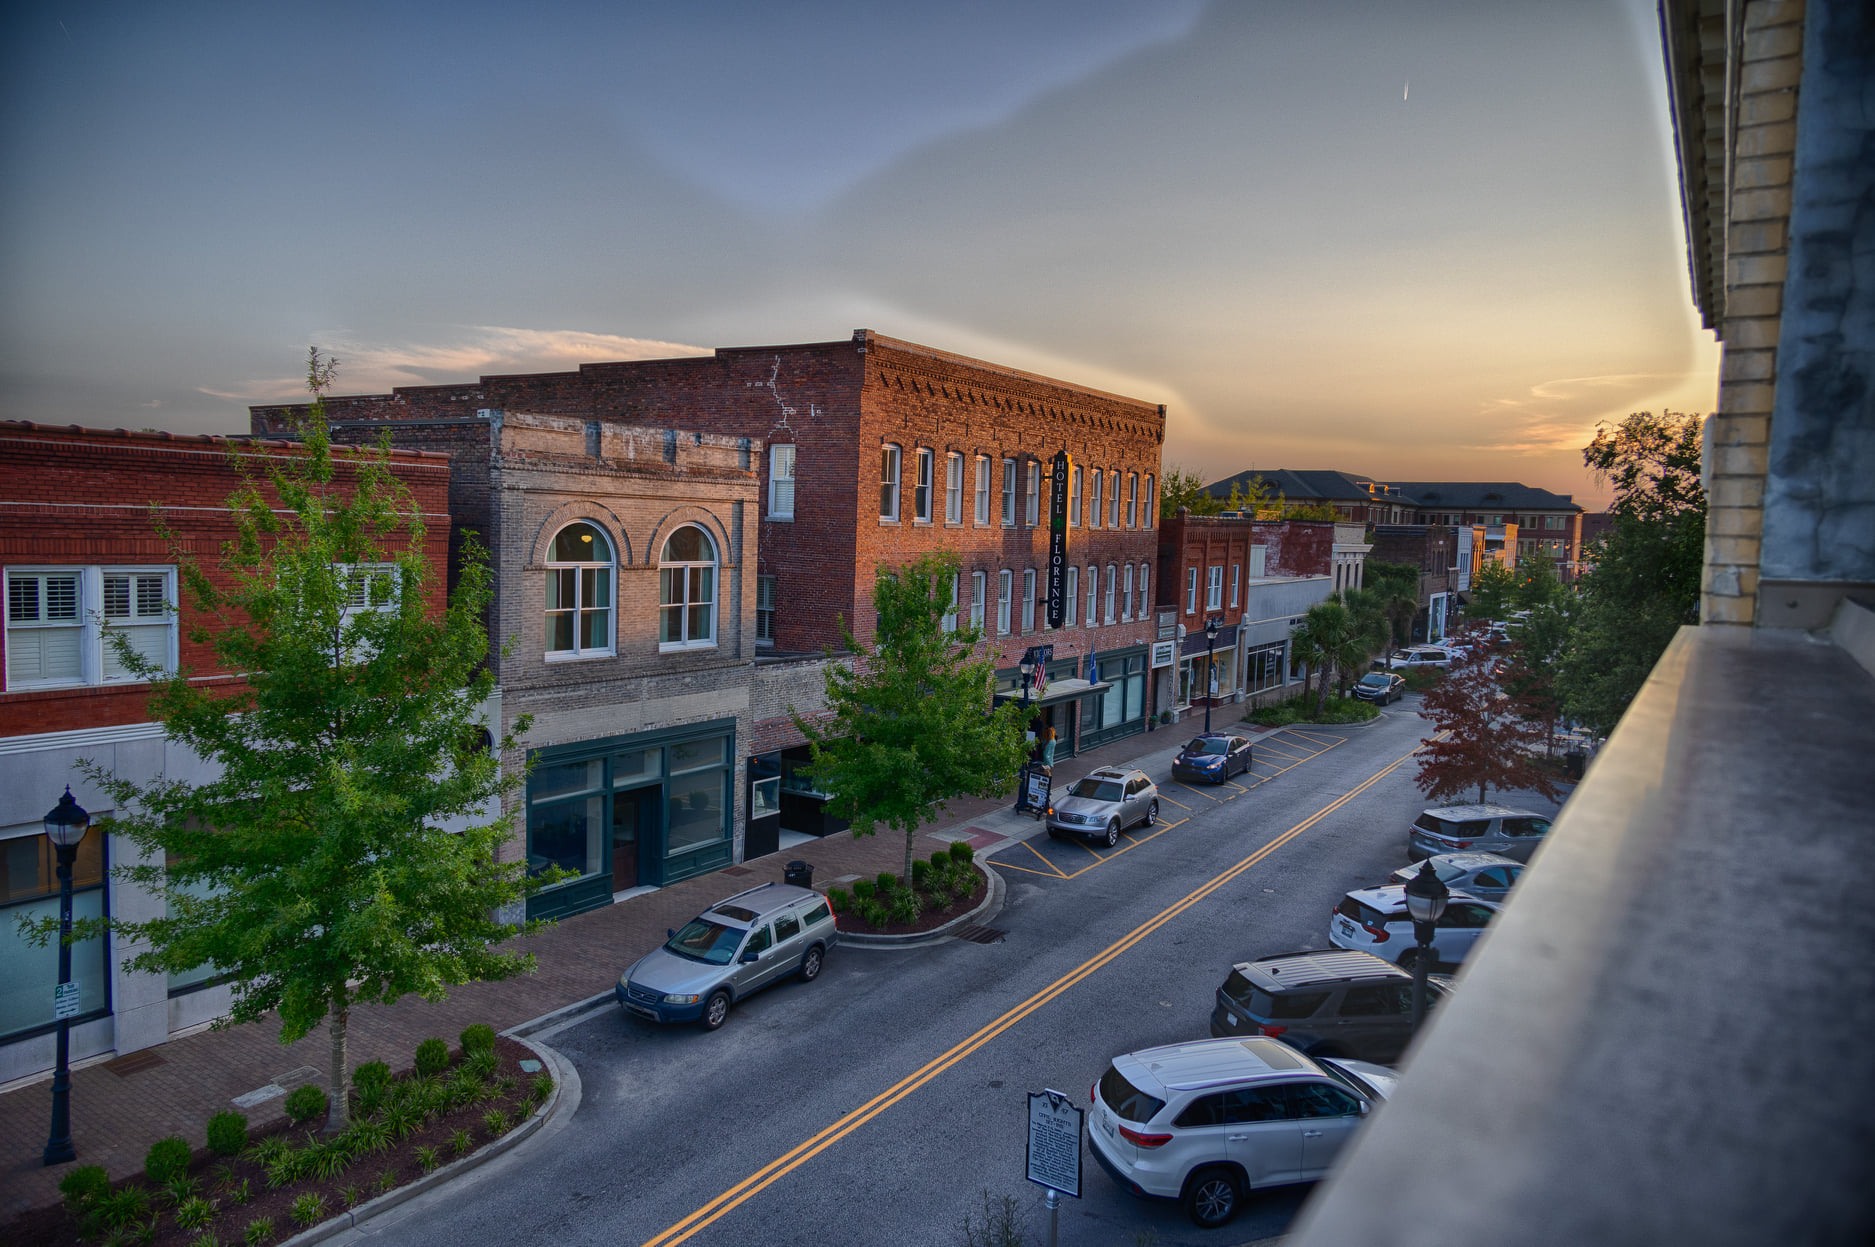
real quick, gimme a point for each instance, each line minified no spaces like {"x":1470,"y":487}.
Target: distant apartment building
{"x":83,"y":557}
{"x":1431,"y":549}
{"x":1356,"y":498}
{"x":1528,"y":521}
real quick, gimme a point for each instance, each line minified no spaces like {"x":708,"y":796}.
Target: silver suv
{"x":1204,"y":1123}
{"x":1105,"y":804}
{"x":1476,"y":828}
{"x":733,"y":949}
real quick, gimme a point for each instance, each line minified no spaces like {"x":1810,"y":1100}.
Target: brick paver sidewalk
{"x":122,"y":1105}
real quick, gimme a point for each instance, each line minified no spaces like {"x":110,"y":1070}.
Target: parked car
{"x":1207,"y":1122}
{"x":1331,"y":1002}
{"x":1212,"y":758}
{"x":1487,"y":876}
{"x":1374,"y":920}
{"x":1104,"y":804}
{"x":1484,"y":828}
{"x":1380,"y":687}
{"x":731,"y":950}
{"x":1421,"y":656}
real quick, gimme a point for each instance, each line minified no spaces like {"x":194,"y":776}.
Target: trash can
{"x":799,"y":873}
{"x":1575,"y":762}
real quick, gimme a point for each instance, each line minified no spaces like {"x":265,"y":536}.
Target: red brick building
{"x":81,"y":552}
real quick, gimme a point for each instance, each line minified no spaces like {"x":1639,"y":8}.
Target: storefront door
{"x":634,"y":822}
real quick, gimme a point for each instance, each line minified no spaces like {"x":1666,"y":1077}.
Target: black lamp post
{"x":65,"y":827}
{"x":1211,"y":627}
{"x":1426,"y":895}
{"x":1027,"y":668}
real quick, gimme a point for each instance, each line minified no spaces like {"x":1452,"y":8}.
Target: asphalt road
{"x":881,"y":1103}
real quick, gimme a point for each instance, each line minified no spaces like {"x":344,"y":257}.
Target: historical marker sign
{"x":1055,"y":1142}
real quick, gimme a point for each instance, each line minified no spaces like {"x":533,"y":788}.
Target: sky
{"x":1407,"y":239}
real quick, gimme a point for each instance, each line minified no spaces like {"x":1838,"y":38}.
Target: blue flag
{"x":1093,"y":669}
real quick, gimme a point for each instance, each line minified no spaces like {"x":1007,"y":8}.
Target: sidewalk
{"x":122,"y":1105}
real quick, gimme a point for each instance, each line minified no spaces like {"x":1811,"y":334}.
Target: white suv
{"x":1374,"y":920}
{"x":1417,"y":657}
{"x":1206,"y":1122}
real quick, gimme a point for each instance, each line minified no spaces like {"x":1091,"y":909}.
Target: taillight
{"x":1381,"y":934}
{"x":1091,"y":1088}
{"x":1272,"y":1031}
{"x":1144,"y":1140}
{"x":1462,"y":844}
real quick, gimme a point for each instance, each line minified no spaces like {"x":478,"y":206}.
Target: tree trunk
{"x":910,"y":838}
{"x":340,"y":1115}
{"x":1321,"y":694}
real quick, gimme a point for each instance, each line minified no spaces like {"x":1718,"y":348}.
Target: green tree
{"x":912,"y":724}
{"x":1642,"y":581}
{"x":1337,"y":635}
{"x":345,"y":852}
{"x":1181,"y":488}
{"x":1492,"y":586}
{"x":1536,"y":583}
{"x":1396,"y":585}
{"x":1527,"y":671}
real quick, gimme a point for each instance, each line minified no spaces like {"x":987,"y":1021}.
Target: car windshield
{"x":1098,"y":789}
{"x":1401,"y":655}
{"x":712,"y":943}
{"x":1208,"y":745}
{"x":1127,"y":1101}
{"x":1376,"y":680}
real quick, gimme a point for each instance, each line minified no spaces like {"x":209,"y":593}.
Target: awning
{"x":1059,"y":691}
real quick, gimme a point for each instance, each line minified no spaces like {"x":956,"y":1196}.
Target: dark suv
{"x":1328,"y":1003}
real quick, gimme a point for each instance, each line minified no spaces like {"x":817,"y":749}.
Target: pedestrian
{"x":1047,"y":751}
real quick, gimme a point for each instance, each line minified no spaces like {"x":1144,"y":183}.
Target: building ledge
{"x":1665,"y":1039}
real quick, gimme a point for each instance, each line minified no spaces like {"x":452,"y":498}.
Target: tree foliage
{"x":1338,"y":636}
{"x":911,"y":725}
{"x":1484,"y":738}
{"x":1256,"y":498}
{"x":314,"y":868}
{"x":1492,"y":587}
{"x":1535,"y":583}
{"x":1183,"y":488}
{"x":1642,"y":581}
{"x":1396,"y":587}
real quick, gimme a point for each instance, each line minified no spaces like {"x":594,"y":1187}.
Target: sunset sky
{"x":1411,"y":240}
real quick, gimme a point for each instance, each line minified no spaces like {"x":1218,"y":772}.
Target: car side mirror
{"x":1366,"y":1108}
{"x":751,"y":957}
{"x":670,"y":933}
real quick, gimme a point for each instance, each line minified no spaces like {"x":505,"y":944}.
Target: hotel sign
{"x":1058,"y":474}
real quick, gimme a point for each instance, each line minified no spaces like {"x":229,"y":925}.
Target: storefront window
{"x":29,"y":888}
{"x":566,"y":834}
{"x":696,"y":811}
{"x":1266,"y":666}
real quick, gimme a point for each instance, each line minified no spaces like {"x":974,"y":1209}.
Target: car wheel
{"x":810,"y":964}
{"x":1152,"y":812}
{"x":715,"y":1010}
{"x":1211,"y":1197}
{"x":1410,"y":958}
{"x":1113,"y":832}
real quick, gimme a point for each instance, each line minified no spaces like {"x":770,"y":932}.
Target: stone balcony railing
{"x":1670,"y":1035}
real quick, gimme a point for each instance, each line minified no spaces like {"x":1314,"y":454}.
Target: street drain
{"x":982,"y":935}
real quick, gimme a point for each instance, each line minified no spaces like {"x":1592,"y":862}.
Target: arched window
{"x":579,"y":593}
{"x":687,"y":590}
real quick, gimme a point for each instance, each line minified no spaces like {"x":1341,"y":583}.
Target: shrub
{"x":960,"y":850}
{"x":238,"y":1192}
{"x":403,"y":1119}
{"x":84,"y":1186}
{"x":432,"y":1057}
{"x":227,"y":1133}
{"x":205,"y":1239}
{"x":541,"y":1087}
{"x":482,"y":1064}
{"x":387,"y":1180}
{"x":367,"y":1136}
{"x":428,"y":1158}
{"x":258,"y":1231}
{"x":166,"y":1159}
{"x":886,"y":882}
{"x":460,"y":1141}
{"x":122,"y":1208}
{"x":329,"y":1161}
{"x":839,"y":899}
{"x":195,"y":1212}
{"x":371,"y":1074}
{"x":905,"y":905}
{"x":310,"y":1208}
{"x":478,"y":1038}
{"x":181,"y":1188}
{"x":305,"y":1103}
{"x":920,"y":874}
{"x":872,"y":913}
{"x":862,"y":891}
{"x":350,"y":1195}
{"x":496,"y":1120}
{"x":286,"y":1169}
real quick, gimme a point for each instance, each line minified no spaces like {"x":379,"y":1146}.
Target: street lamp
{"x":1027,"y":668}
{"x":1426,"y":895}
{"x":1211,"y":627}
{"x":65,"y":827}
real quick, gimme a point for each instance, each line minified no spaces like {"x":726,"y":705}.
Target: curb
{"x":991,"y":904}
{"x":565,"y":1087}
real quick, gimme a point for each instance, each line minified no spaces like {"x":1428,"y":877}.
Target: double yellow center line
{"x":762,"y":1178}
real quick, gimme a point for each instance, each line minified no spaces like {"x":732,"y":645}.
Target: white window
{"x":1071,"y":594}
{"x":1028,"y":599}
{"x":1126,"y":596}
{"x":922,"y":499}
{"x":1032,"y":505}
{"x":764,"y":610}
{"x":1093,"y":595}
{"x":579,"y":593}
{"x":1003,"y":585}
{"x":58,"y":621}
{"x":1259,"y":556}
{"x":781,"y":482}
{"x":983,"y":489}
{"x":687,"y":590}
{"x":363,"y":587}
{"x":1112,"y":586}
{"x":1152,"y":506}
{"x":1132,"y":500}
{"x":979,"y":586}
{"x":953,"y":488}
{"x":1235,"y":568}
{"x":1191,"y":590}
{"x":1009,"y":493}
{"x":1074,"y":497}
{"x":1113,"y":519}
{"x":1214,"y":588}
{"x":949,"y":622}
{"x":888,"y":482}
{"x":1145,"y":595}
{"x":1093,"y":498}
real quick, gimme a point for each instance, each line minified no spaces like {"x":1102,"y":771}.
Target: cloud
{"x":1562,"y":414}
